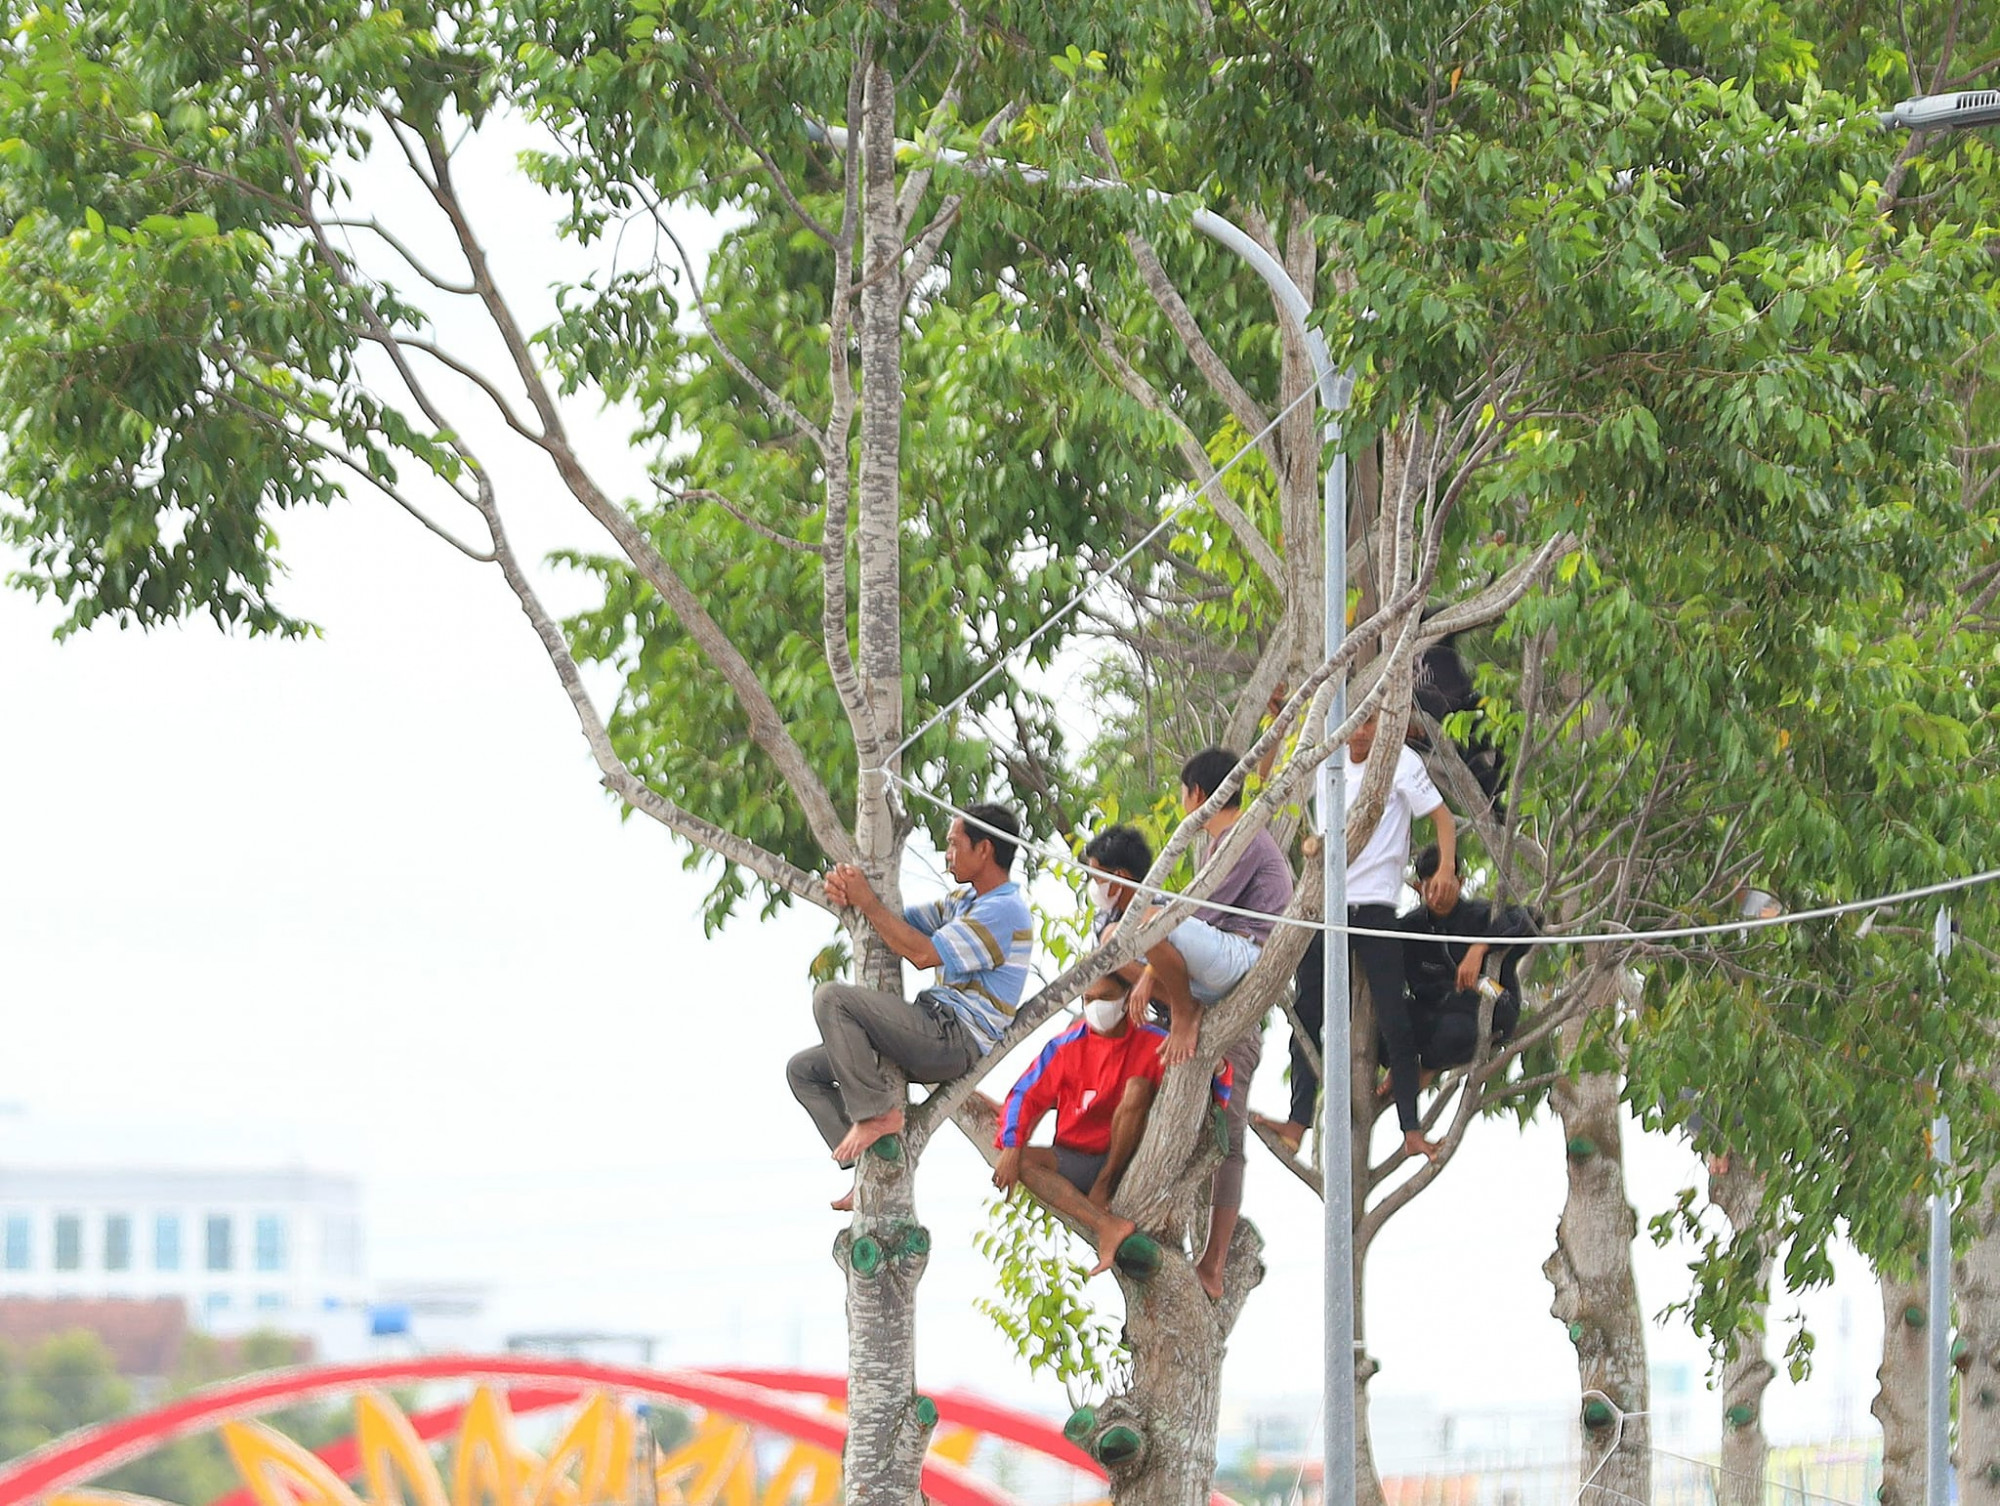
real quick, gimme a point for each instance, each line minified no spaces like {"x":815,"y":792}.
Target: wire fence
{"x":1827,"y":1474}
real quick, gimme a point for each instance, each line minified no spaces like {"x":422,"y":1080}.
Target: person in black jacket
{"x":1443,"y":976}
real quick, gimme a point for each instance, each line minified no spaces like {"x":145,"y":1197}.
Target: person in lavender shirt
{"x":1200,"y":961}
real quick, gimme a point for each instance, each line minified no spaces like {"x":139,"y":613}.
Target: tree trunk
{"x":1900,"y":1399}
{"x":1738,"y":1191}
{"x":1177,"y":1337}
{"x":1595,"y":1294}
{"x":884,"y":1250}
{"x":1979,"y":1390}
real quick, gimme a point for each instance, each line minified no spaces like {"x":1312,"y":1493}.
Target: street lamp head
{"x":1946,"y":112}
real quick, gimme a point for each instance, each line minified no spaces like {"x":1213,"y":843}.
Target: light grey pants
{"x":842,"y":1081}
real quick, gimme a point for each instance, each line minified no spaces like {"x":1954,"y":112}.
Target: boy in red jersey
{"x":1099,"y":1076}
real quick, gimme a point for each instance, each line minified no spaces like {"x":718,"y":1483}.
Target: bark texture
{"x":1978,"y":1285}
{"x":1178,"y":1338}
{"x":1595,"y":1294}
{"x":1738,"y":1191}
{"x":1900,"y":1399}
{"x":885,"y":1248}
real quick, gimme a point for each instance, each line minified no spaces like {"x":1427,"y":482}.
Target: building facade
{"x":279,"y":1249}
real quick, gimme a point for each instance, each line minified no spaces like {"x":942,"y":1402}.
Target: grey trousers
{"x":1243,"y":1055}
{"x":842,"y":1081}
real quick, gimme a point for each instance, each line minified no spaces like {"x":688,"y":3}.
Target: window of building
{"x":219,"y":1255}
{"x":69,"y":1241}
{"x":340,"y":1245}
{"x":216,"y":1302}
{"x":270,"y":1302}
{"x":270,"y":1242}
{"x":19,"y":1242}
{"x":117,"y":1242}
{"x":167,"y":1242}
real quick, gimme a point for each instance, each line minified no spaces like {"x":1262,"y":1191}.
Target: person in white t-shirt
{"x":1374,"y":884}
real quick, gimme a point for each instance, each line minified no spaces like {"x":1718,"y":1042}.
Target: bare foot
{"x":1414,"y":1144}
{"x":1294,"y":1135}
{"x":866,"y":1133}
{"x":844,"y":1203}
{"x":1178,"y":1047}
{"x":1211,"y":1280}
{"x":1115,"y":1232}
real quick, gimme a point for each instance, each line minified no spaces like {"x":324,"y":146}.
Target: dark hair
{"x":979,"y":817}
{"x":1207,"y":770}
{"x":1120,"y":849}
{"x":1429,"y":859}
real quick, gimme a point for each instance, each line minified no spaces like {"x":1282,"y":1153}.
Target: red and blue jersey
{"x":1082,"y":1076}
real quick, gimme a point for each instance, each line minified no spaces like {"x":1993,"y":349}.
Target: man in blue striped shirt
{"x":979,"y":939}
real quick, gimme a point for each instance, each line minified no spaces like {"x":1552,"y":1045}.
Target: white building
{"x":243,"y":1249}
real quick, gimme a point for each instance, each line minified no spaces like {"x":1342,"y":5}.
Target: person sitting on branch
{"x":1200,"y":961}
{"x":1445,"y":976}
{"x":979,"y":939}
{"x":1210,"y":952}
{"x":1099,"y":1076}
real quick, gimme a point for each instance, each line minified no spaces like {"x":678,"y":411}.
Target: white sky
{"x":360,"y":901}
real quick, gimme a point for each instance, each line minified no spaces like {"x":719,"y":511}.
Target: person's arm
{"x":1470,"y":966}
{"x":1442,"y":890}
{"x":848,"y":885}
{"x":1128,"y":1128}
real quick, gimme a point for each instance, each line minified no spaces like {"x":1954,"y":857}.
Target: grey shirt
{"x":1261,"y":880}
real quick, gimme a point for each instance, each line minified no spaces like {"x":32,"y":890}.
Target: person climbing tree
{"x":1200,"y":961}
{"x":1444,"y":976}
{"x":979,"y":939}
{"x":1444,"y":687}
{"x":1374,"y":884}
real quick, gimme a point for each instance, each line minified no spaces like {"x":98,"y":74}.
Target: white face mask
{"x":1100,"y":893}
{"x":1103,"y":1015}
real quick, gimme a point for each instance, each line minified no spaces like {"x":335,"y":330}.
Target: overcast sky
{"x":360,"y":901}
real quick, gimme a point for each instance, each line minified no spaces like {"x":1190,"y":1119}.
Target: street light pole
{"x":1937,"y":1474}
{"x":1334,"y":389}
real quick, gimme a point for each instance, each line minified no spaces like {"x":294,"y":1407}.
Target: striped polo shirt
{"x":983,"y":944}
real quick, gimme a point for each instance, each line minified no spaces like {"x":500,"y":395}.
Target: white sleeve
{"x":1413,"y":780}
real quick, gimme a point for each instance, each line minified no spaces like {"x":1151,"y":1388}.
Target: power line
{"x":1062,"y":857}
{"x":1078,"y":597}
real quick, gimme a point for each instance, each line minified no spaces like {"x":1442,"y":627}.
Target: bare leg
{"x":1107,"y":1230}
{"x":1208,"y":1269}
{"x":1170,"y":980}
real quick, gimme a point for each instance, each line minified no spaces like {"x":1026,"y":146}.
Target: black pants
{"x":1380,"y":960}
{"x":1447,"y":1036}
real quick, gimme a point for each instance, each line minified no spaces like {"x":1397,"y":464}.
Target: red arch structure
{"x":764,"y":1397}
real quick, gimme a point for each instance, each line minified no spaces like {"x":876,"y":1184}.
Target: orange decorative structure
{"x":598,"y":1454}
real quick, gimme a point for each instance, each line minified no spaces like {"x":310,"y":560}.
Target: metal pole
{"x":1937,"y":1476}
{"x":1336,"y":1055}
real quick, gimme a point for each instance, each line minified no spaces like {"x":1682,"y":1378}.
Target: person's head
{"x":980,"y":849}
{"x":1358,"y":746}
{"x":1428,"y":862}
{"x":1203,"y":774}
{"x":1120,"y":850}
